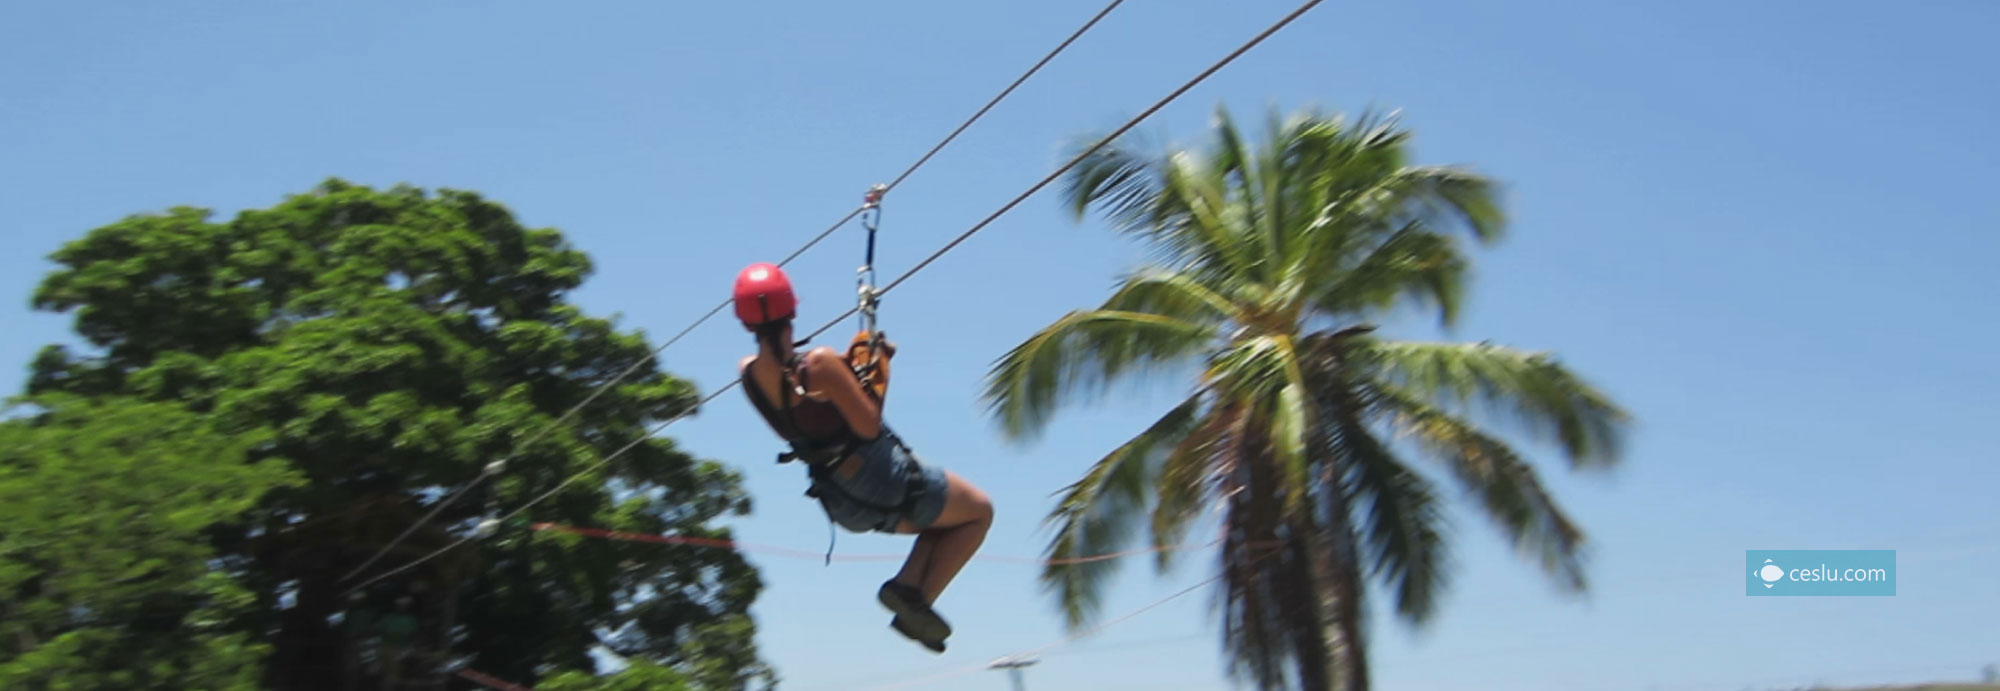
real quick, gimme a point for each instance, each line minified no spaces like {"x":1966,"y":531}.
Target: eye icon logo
{"x":1770,"y":574}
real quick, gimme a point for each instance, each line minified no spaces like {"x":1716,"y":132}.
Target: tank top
{"x":815,"y":428}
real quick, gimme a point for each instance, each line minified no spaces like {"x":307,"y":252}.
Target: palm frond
{"x":1189,"y":475}
{"x":1402,"y":521}
{"x":1097,"y":513}
{"x":1412,"y":264}
{"x":1440,"y":198}
{"x":1081,"y":354}
{"x":1251,"y":368}
{"x":1176,"y":202}
{"x":1371,"y":210}
{"x":1123,"y":183}
{"x":1208,"y":239}
{"x":1255,"y":177}
{"x":1506,"y":486}
{"x":1457,"y":196}
{"x":1176,"y":294}
{"x":1543,"y":397}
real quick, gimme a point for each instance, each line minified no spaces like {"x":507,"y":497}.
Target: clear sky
{"x":1764,"y":227}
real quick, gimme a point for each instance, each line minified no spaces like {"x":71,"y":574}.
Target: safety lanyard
{"x":866,"y":296}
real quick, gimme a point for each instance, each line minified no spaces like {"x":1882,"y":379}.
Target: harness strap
{"x":782,"y":418}
{"x":912,"y":489}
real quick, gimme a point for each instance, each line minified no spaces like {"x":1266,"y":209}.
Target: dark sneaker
{"x":902,"y":626}
{"x":919,"y":621}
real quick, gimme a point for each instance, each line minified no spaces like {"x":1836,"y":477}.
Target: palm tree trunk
{"x":1336,"y":557}
{"x":1337,"y":570}
{"x":1307,"y":606}
{"x":1310,"y":600}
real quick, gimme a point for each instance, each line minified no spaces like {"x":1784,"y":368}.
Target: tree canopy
{"x":381,"y":348}
{"x":105,"y":580}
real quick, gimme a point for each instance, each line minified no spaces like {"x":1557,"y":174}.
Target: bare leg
{"x":920,"y":559}
{"x":941,"y":551}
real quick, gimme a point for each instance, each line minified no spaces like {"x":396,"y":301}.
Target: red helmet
{"x":764,"y":294}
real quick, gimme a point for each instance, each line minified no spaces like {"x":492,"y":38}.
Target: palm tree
{"x":1269,"y":262}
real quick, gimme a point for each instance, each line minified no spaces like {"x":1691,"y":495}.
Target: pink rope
{"x":801,"y":554}
{"x":489,"y":682}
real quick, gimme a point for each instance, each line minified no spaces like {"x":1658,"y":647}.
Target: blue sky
{"x":1759,"y":225}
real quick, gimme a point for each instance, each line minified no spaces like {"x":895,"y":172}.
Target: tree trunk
{"x":440,"y":650}
{"x":1288,"y":542}
{"x":1337,"y":572}
{"x":1309,"y":606}
{"x":307,"y":648}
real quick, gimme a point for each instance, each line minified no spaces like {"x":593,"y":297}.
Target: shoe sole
{"x":903,"y":627}
{"x":921,"y":622}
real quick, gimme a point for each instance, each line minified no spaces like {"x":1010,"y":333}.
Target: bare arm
{"x":832,"y":378}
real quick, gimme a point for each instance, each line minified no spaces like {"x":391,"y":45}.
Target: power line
{"x":1107,"y":139}
{"x":499,"y":466}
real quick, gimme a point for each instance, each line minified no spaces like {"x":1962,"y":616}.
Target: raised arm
{"x":830,"y":375}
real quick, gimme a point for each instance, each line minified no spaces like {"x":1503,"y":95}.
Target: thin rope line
{"x":724,"y":543}
{"x":538,"y":498}
{"x":483,"y":679}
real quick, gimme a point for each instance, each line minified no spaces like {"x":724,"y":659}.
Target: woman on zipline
{"x":863,"y":475}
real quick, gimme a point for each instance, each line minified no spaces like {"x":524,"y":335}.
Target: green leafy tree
{"x":1300,"y":424}
{"x":388,"y":345}
{"x":104,"y":575}
{"x":638,"y":677}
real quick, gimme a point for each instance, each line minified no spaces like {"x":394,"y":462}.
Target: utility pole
{"x":1013,"y":666}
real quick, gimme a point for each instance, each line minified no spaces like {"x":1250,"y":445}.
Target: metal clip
{"x":864,"y":291}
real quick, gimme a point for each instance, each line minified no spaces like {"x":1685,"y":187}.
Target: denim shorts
{"x":892,"y":485}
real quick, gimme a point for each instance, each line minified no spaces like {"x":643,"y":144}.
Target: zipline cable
{"x":1101,"y":143}
{"x":499,"y":466}
{"x":1003,"y":93}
